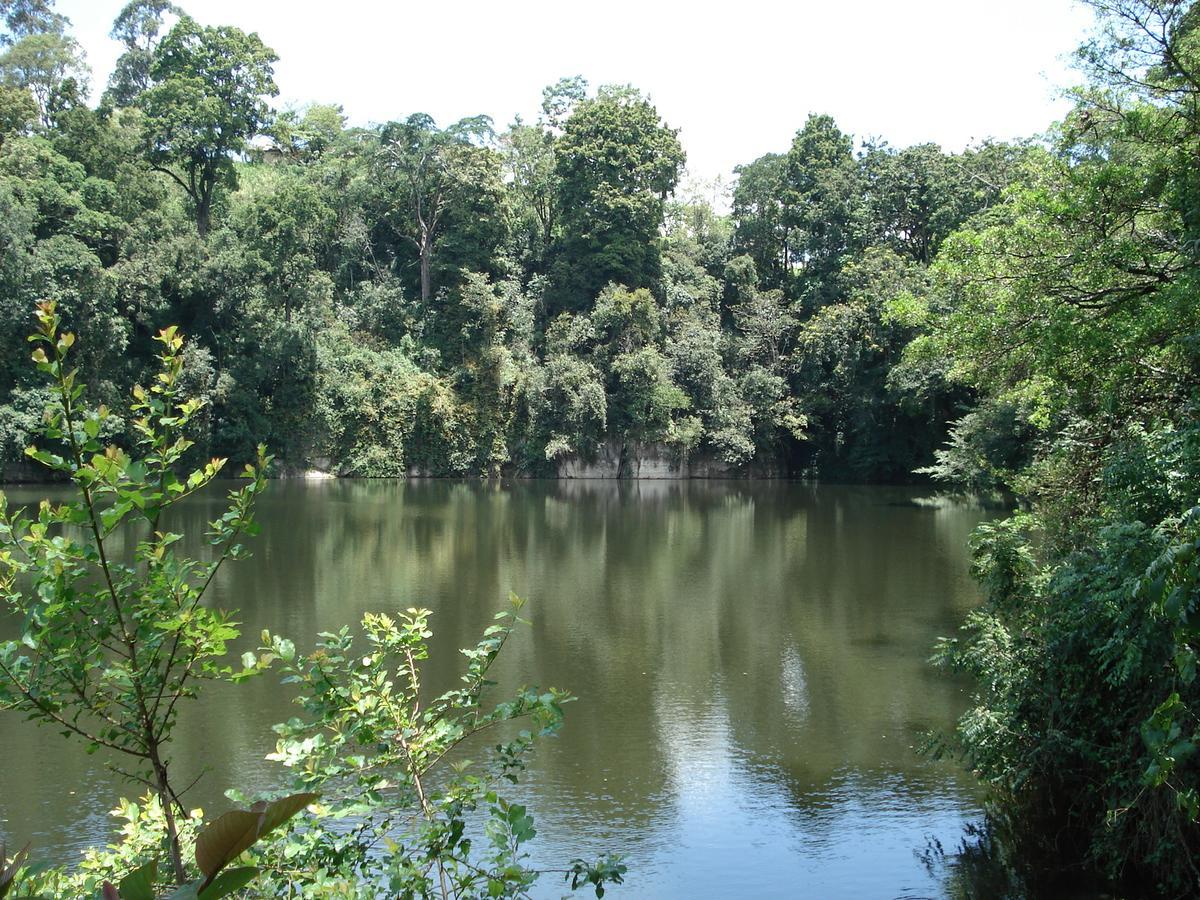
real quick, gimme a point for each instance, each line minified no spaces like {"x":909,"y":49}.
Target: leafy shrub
{"x":109,"y":647}
{"x":1085,"y":717}
{"x":391,"y":764}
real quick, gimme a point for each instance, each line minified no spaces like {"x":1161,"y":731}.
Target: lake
{"x":750,"y":660}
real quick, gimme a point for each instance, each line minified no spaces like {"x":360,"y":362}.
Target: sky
{"x":737,"y":78}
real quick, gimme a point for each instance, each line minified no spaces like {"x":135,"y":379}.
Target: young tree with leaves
{"x":110,"y":644}
{"x":384,"y":750}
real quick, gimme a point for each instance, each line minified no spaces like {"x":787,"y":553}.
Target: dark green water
{"x":750,"y":661}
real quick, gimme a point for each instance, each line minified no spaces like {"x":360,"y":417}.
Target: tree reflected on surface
{"x":749,"y":657}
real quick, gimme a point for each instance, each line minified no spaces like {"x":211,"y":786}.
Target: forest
{"x":1018,"y":320}
{"x":460,"y":299}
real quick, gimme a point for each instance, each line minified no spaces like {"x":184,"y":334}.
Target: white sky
{"x":737,"y":77}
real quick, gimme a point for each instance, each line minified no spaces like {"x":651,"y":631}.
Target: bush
{"x":1085,"y":717}
{"x":109,"y":647}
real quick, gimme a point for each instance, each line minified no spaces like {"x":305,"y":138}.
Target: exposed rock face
{"x":616,"y":459}
{"x":605,"y":464}
{"x":316,"y":468}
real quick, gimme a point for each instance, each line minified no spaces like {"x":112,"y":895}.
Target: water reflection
{"x":749,"y":660}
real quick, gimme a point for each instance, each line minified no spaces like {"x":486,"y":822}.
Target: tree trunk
{"x":203,"y":216}
{"x":426,"y":283}
{"x":166,"y":798}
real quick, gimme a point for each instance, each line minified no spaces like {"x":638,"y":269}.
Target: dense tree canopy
{"x":473,"y":280}
{"x":518,"y":297}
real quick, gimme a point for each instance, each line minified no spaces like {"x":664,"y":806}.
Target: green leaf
{"x":228,"y":882}
{"x":187,"y":892}
{"x":286,"y":649}
{"x":1173,"y":605}
{"x":227,"y":838}
{"x":235,"y":832}
{"x":9,"y":874}
{"x":139,"y":884}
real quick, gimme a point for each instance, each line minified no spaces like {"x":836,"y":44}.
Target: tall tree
{"x":529,"y":162}
{"x":761,"y":210}
{"x":286,"y":226}
{"x":429,"y":171}
{"x":825,"y":205}
{"x":306,"y":134}
{"x":918,"y":195}
{"x":617,"y":163}
{"x":41,"y":58}
{"x":914,"y":198}
{"x":139,"y":28}
{"x":25,"y":17}
{"x":206,"y":102}
{"x":560,"y":99}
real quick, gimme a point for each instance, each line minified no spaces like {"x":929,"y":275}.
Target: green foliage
{"x":309,"y":134}
{"x":1070,"y":307}
{"x":919,"y":195}
{"x":530,"y":162}
{"x":18,"y":111}
{"x":229,"y":836}
{"x":443,"y":193}
{"x":112,"y":642}
{"x":862,"y":421}
{"x":411,"y":299}
{"x":761,"y":208}
{"x":1084,"y":724}
{"x":10,"y":869}
{"x":286,"y":225}
{"x":825,"y":204}
{"x":567,"y":406}
{"x":109,"y":646}
{"x":644,"y":399}
{"x":216,"y":845}
{"x":372,"y":240}
{"x":367,"y":405}
{"x":616,"y":163}
{"x":382,"y":750}
{"x":206,"y":101}
{"x":987,"y":449}
{"x":138,"y":27}
{"x":317,"y":257}
{"x":47,"y":64}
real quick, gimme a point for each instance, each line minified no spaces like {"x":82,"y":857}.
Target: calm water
{"x":750,"y":661}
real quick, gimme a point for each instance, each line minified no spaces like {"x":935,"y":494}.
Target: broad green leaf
{"x":236,"y":831}
{"x":228,"y":882}
{"x":139,"y":884}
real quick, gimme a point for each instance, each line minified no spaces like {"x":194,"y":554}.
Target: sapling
{"x":114,"y":632}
